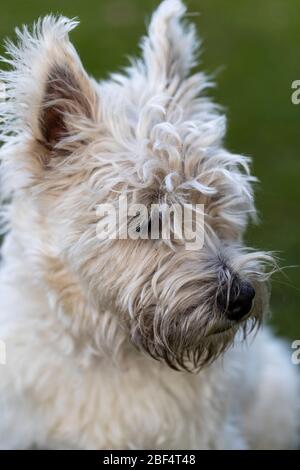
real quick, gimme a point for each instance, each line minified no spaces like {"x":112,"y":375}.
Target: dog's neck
{"x":90,"y":327}
{"x":94,"y":327}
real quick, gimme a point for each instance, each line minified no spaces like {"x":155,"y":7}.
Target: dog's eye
{"x":157,"y":228}
{"x":148,"y":226}
{"x":138,"y":227}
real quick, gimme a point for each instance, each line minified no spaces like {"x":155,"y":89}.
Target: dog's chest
{"x":144,"y":406}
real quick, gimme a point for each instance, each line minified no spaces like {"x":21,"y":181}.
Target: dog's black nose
{"x":240,"y":300}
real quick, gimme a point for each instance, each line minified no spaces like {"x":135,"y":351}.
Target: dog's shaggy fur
{"x":121,"y":343}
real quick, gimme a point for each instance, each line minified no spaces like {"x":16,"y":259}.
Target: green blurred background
{"x":253,"y":47}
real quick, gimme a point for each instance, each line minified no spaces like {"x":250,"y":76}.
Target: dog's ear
{"x":49,"y":95}
{"x":170,"y":48}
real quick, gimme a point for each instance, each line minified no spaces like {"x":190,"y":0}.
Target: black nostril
{"x":240,"y":302}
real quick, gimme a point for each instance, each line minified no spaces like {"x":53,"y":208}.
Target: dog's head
{"x":150,"y":134}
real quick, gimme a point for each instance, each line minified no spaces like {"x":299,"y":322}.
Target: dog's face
{"x":152,"y":136}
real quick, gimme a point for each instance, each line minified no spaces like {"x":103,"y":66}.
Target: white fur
{"x":73,"y":379}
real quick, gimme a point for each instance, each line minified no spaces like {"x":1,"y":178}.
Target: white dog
{"x":129,"y":343}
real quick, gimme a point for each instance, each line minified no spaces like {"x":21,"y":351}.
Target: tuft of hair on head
{"x":171,"y":45}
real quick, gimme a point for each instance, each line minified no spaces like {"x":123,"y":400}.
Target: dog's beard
{"x":187,"y":348}
{"x":181,"y":351}
{"x":192,"y":338}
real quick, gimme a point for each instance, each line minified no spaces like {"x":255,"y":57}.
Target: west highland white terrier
{"x":130,"y":341}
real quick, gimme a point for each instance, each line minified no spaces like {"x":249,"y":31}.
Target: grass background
{"x":253,"y":45}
